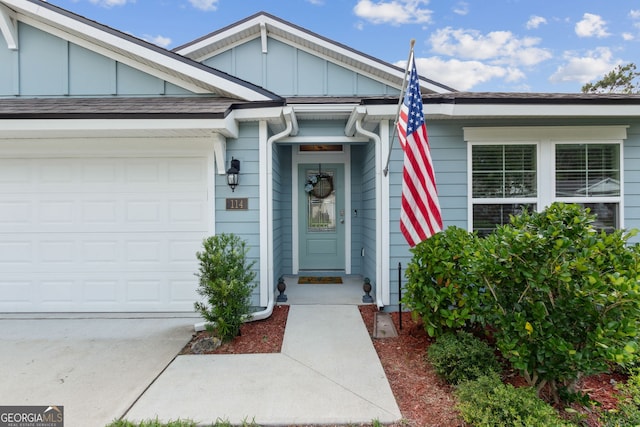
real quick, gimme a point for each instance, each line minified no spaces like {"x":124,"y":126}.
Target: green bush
{"x":627,"y":413}
{"x":226,"y":283}
{"x":442,"y":287}
{"x":567,"y":298}
{"x":487,"y":402}
{"x":460,"y":356}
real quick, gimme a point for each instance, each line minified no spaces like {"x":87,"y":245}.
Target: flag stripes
{"x":420,"y":216}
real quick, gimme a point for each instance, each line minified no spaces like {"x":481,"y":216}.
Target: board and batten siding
{"x":289,"y":71}
{"x":71,"y":70}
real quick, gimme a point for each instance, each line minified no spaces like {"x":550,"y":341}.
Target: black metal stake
{"x":400,"y":294}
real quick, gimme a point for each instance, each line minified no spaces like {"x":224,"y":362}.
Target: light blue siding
{"x":244,"y":223}
{"x":90,"y":73}
{"x":248,"y":64}
{"x":282,"y":212}
{"x":312,"y":75}
{"x":358,"y":155}
{"x":281,"y":69}
{"x":368,"y":219}
{"x":631,"y":163}
{"x":70,"y":70}
{"x":288,"y":71}
{"x":8,"y":70}
{"x":42,"y":54}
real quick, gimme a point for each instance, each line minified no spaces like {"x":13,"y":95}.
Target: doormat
{"x":319,"y":280}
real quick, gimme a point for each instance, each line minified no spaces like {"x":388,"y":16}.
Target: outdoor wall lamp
{"x":232,"y":174}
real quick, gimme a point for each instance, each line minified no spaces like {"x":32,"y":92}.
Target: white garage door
{"x":101,"y":234}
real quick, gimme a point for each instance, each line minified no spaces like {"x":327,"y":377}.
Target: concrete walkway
{"x":327,"y":373}
{"x":94,"y":367}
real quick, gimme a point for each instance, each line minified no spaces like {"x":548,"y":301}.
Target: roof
{"x":122,"y":108}
{"x":515,"y":98}
{"x":130,"y":50}
{"x":262,"y":23}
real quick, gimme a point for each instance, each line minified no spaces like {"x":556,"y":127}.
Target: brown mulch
{"x":259,"y":336}
{"x":423,"y":398}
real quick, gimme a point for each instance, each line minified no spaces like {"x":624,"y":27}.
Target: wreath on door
{"x":319,"y":185}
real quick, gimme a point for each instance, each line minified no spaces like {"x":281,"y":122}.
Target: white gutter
{"x":292,"y":128}
{"x":377,"y":140}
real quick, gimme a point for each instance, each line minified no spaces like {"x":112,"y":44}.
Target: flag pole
{"x":400,"y":100}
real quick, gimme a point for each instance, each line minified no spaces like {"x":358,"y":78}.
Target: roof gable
{"x":263,"y":26}
{"x":124,"y":48}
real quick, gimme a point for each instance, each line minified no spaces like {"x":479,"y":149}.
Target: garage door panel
{"x":101,"y":234}
{"x":108,"y":293}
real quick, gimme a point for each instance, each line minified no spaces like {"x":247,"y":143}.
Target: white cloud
{"x":393,"y":12}
{"x":316,"y":2}
{"x":535,"y":21}
{"x":111,"y":3}
{"x":591,"y":26}
{"x":461,"y":8}
{"x":159,"y":40}
{"x":463,"y":75}
{"x":499,"y":47}
{"x":627,"y":36}
{"x":206,"y":5}
{"x":582,"y":69}
{"x":634,"y":14}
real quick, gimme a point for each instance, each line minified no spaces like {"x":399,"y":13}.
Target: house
{"x":114,"y":156}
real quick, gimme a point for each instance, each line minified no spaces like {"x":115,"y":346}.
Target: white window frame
{"x":545,"y":138}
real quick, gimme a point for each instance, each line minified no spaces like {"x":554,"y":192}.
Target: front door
{"x":321,"y":213}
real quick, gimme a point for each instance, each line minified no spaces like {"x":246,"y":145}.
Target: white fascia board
{"x":186,"y":51}
{"x":88,"y":125}
{"x":9,"y":27}
{"x":554,"y":133}
{"x":119,"y":43}
{"x":538,"y":110}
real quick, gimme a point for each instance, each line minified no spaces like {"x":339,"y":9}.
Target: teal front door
{"x":321,"y":216}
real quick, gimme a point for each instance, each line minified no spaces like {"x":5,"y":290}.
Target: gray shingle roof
{"x":116,"y":107}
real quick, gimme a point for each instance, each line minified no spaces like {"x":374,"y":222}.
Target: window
{"x":511,"y":169}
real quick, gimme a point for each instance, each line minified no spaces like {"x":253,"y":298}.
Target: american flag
{"x":420,"y":216}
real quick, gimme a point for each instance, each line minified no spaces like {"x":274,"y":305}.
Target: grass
{"x":217,"y":423}
{"x":177,"y":423}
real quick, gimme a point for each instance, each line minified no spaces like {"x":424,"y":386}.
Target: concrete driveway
{"x":95,"y":367}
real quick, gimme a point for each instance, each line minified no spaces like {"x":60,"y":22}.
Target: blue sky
{"x":474,"y":45}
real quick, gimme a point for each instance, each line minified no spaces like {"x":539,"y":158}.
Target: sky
{"x":471,"y":45}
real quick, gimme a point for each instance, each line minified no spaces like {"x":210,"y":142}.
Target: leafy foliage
{"x":460,"y":356}
{"x":567,"y":298}
{"x":487,"y":402}
{"x":561,"y":299}
{"x":442,"y":286}
{"x":628,"y":410}
{"x":225,"y":281}
{"x":621,"y":79}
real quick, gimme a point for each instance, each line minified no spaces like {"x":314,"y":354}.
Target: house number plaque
{"x":238,"y":204}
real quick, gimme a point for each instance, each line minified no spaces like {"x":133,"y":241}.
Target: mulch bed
{"x":423,"y":398}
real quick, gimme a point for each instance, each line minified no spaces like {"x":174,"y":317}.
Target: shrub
{"x":628,"y":411}
{"x":442,"y":285}
{"x":487,"y":402}
{"x":225,"y":281}
{"x":460,"y":356}
{"x":567,"y":298}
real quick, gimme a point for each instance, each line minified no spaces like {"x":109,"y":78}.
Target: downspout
{"x":292,"y":127}
{"x":376,"y":138}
